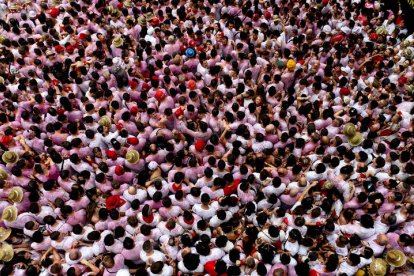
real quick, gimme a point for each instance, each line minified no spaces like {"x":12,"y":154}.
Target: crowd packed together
{"x":206,"y":137}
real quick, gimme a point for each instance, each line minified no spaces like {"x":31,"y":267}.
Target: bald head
{"x":132,"y":190}
{"x":382,"y":239}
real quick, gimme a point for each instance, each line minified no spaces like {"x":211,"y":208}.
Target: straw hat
{"x":2,"y":38}
{"x":149,"y":16}
{"x":127,"y":3}
{"x":356,"y":140}
{"x":105,"y":121}
{"x":378,"y":267}
{"x":349,"y":130}
{"x":130,"y":18}
{"x":4,"y":233}
{"x":132,"y":156}
{"x":9,"y":213}
{"x":406,"y":43}
{"x":6,"y":252}
{"x":142,"y":21}
{"x":118,"y":42}
{"x":3,"y":174}
{"x":16,"y":195}
{"x":396,"y":258}
{"x":381,"y":31}
{"x":328,"y":185}
{"x":13,"y":7}
{"x":407,"y":53}
{"x":49,"y":53}
{"x":10,"y":157}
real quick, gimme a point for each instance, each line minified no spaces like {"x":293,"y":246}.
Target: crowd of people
{"x":214,"y":137}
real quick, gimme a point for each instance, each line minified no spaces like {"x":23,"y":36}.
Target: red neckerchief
{"x":189,"y":222}
{"x":177,"y":188}
{"x":148,"y":219}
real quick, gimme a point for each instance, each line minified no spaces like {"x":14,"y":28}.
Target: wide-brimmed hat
{"x":142,"y":21}
{"x":3,"y":174}
{"x":127,"y":3}
{"x":49,"y":53}
{"x":395,"y":258}
{"x":9,"y":213}
{"x":118,"y":42}
{"x":149,"y":16}
{"x":13,"y":7}
{"x":407,"y":53}
{"x":378,"y":267}
{"x":381,"y":31}
{"x":349,"y":130}
{"x":15,"y":195}
{"x":132,"y":156}
{"x":4,"y":233}
{"x":6,"y":252}
{"x":105,"y":121}
{"x":356,"y":140}
{"x":10,"y":157}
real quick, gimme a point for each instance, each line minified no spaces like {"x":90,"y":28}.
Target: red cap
{"x":373,"y":36}
{"x":268,"y":15}
{"x":54,"y":12}
{"x":111,"y":154}
{"x":337,"y":38}
{"x":5,"y":140}
{"x":82,"y":36}
{"x":344,"y":91}
{"x":402,"y":81}
{"x":61,"y":111}
{"x":325,"y":2}
{"x":119,"y":5}
{"x":179,"y":112}
{"x":59,"y":48}
{"x":134,"y":110}
{"x":133,"y":84}
{"x":313,"y":273}
{"x":70,"y":49}
{"x":199,"y":145}
{"x":155,"y":22}
{"x":114,"y":201}
{"x":200,"y":49}
{"x":132,"y":141}
{"x":301,"y":62}
{"x":119,"y":126}
{"x":145,"y":86}
{"x":256,"y":17}
{"x":183,"y":48}
{"x":192,"y":84}
{"x":159,"y":95}
{"x":155,"y":78}
{"x":119,"y":170}
{"x":192,"y":43}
